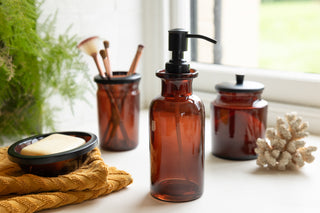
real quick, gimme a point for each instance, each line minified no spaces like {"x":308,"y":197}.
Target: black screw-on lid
{"x":239,"y":86}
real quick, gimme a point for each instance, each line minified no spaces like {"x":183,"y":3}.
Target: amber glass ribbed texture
{"x":238,"y":120}
{"x":177,"y":140}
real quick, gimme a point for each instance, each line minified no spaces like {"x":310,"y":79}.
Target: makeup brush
{"x":106,"y":63}
{"x":135,"y":61}
{"x":90,"y":47}
{"x":106,"y":48}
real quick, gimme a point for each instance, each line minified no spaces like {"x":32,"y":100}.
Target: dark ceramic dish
{"x":54,"y":164}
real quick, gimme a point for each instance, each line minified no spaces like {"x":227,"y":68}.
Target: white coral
{"x":286,"y":150}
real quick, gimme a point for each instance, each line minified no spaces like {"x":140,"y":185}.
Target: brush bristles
{"x":89,"y":45}
{"x":103,"y":54}
{"x":106,"y":44}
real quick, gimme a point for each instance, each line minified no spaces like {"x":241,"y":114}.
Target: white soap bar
{"x":54,"y":143}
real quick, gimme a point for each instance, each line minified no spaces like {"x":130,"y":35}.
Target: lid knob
{"x":239,"y":79}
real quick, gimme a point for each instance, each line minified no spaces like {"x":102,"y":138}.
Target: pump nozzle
{"x":178,"y":43}
{"x":201,"y":36}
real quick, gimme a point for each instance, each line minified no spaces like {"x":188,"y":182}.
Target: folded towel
{"x":20,"y":192}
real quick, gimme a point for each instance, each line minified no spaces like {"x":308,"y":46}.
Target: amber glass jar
{"x":177,"y":140}
{"x":239,"y":118}
{"x":118,"y":101}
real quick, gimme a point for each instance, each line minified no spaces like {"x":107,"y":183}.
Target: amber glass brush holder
{"x":118,"y":101}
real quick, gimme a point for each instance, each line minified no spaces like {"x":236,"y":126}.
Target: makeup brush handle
{"x":106,"y":63}
{"x":134,"y":64}
{"x":95,"y":58}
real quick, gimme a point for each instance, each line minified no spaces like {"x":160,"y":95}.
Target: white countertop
{"x":230,"y":186}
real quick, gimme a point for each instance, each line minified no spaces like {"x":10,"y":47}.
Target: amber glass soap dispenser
{"x":177,"y":129}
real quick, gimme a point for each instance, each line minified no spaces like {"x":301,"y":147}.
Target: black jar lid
{"x":240,"y":86}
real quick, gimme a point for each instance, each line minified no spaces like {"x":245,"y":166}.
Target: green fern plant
{"x":34,"y":66}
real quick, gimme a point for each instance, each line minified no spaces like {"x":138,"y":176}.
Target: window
{"x":259,"y":39}
{"x":275,"y":34}
{"x":285,"y":91}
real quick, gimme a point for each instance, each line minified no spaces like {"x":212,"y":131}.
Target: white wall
{"x":119,"y":22}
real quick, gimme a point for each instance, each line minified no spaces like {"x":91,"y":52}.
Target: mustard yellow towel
{"x":20,"y":192}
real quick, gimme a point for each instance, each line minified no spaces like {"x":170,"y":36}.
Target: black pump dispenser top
{"x":178,"y":43}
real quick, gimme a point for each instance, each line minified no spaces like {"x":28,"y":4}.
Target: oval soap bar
{"x":52,"y":144}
